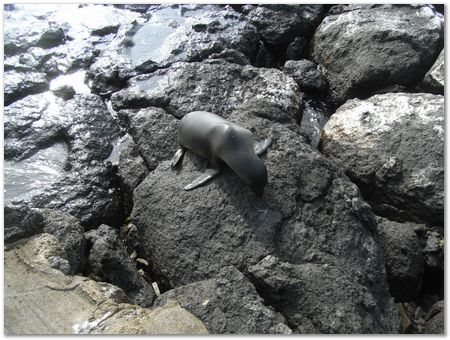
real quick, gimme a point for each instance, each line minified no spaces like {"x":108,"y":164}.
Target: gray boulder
{"x":60,"y":38}
{"x":227,"y":304}
{"x":392,"y":146}
{"x":279,"y":24}
{"x":435,"y":319}
{"x":216,"y":86}
{"x":42,"y":300}
{"x":191,"y":235}
{"x":432,"y":241}
{"x":154,"y":131}
{"x":57,"y":150}
{"x":173,"y":33}
{"x":109,"y":261}
{"x":23,"y":31}
{"x":65,"y":92}
{"x":366,"y":47}
{"x":434,"y":80}
{"x":307,"y":75}
{"x":317,"y":298}
{"x":404,"y":258}
{"x":131,"y":170}
{"x":298,"y":49}
{"x":18,"y":85}
{"x":436,"y":325}
{"x":70,"y":235}
{"x":21,"y":221}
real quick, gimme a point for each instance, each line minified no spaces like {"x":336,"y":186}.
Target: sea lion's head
{"x":258,"y":178}
{"x":252,"y":170}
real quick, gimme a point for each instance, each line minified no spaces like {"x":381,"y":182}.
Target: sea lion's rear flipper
{"x":262,"y":146}
{"x":209,"y":174}
{"x":176,"y":159}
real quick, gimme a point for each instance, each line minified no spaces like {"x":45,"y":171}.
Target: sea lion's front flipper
{"x":176,"y":159}
{"x":209,"y":174}
{"x":262,"y":146}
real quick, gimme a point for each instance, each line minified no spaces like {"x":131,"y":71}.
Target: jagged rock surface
{"x":392,"y":146}
{"x":172,"y":34}
{"x":18,"y":85}
{"x":279,"y":25}
{"x":42,"y":300}
{"x":20,"y":222}
{"x":367,"y":47}
{"x":227,"y":304}
{"x":404,"y":258}
{"x":110,"y":262}
{"x":70,"y":235}
{"x":192,"y":235}
{"x":154,"y":132}
{"x":76,"y":136}
{"x":307,"y":75}
{"x":216,"y":86}
{"x":434,"y":80}
{"x":338,"y":305}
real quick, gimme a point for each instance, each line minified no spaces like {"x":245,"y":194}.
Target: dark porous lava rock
{"x":191,"y":235}
{"x":227,"y":304}
{"x":392,"y":146}
{"x":435,"y":319}
{"x":216,"y":86}
{"x":70,"y":234}
{"x":21,"y":221}
{"x":404,"y":258}
{"x":436,"y":325}
{"x":77,"y":136}
{"x":280,"y":24}
{"x":65,"y":92}
{"x":109,"y":261}
{"x":131,"y":171}
{"x":434,"y":80}
{"x":154,"y":131}
{"x":317,"y":298}
{"x":307,"y":75}
{"x":171,"y":34}
{"x":18,"y":85}
{"x":368,"y":47}
{"x":25,"y":31}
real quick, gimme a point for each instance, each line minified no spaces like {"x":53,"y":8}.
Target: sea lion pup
{"x":221,"y":141}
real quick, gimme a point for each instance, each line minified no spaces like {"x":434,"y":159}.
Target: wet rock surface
{"x":93,"y":98}
{"x":172,"y":34}
{"x":227,"y":304}
{"x":18,"y":85}
{"x":392,"y":146}
{"x":365,"y":47}
{"x":216,"y":86}
{"x":79,"y":134}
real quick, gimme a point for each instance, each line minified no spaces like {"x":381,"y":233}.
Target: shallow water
{"x":313,"y":120}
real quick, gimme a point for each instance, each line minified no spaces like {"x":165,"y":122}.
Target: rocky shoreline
{"x":100,"y":237}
